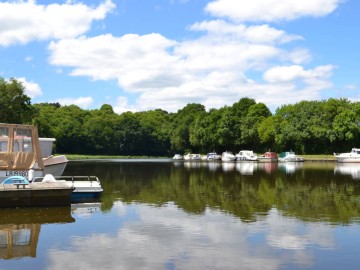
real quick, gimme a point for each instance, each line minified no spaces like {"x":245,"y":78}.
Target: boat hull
{"x":55,"y":165}
{"x":347,"y":159}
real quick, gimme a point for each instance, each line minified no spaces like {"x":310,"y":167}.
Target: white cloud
{"x":32,"y":89}
{"x":153,"y":237}
{"x":270,"y":10}
{"x":122,"y":106}
{"x":82,"y":102}
{"x":25,"y":21}
{"x":227,"y":62}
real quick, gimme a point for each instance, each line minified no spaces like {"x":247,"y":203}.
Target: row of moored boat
{"x":243,"y":155}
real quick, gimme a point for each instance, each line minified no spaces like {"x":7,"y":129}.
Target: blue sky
{"x":140,"y":55}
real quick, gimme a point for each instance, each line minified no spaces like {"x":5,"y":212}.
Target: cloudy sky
{"x":146,"y":54}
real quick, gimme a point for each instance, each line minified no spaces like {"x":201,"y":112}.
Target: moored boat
{"x":290,"y":157}
{"x":192,"y":157}
{"x":19,"y":152}
{"x":54,"y":165}
{"x":246,"y":155}
{"x":227,"y":156}
{"x":213,"y":156}
{"x":85,"y":188}
{"x":178,"y":157}
{"x":352,"y":157}
{"x":268,"y":157}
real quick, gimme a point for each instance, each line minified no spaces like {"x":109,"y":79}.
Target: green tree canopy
{"x":15,"y":105}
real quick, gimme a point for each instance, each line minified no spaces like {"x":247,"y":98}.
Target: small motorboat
{"x":352,"y":157}
{"x":85,"y":188}
{"x":227,"y":156}
{"x":246,"y":155}
{"x":290,"y":157}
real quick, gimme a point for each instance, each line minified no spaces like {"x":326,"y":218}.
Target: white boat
{"x":290,"y":157}
{"x":192,"y":157}
{"x":54,"y":165}
{"x":213,"y":156}
{"x":85,"y":188}
{"x":352,"y":157}
{"x":227,"y":156}
{"x":246,"y":155}
{"x":178,"y":157}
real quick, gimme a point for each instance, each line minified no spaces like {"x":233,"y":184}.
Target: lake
{"x":165,"y":214}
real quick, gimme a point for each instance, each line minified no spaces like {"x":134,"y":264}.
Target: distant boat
{"x":178,"y":157}
{"x":246,"y":155}
{"x":290,"y":157}
{"x":192,"y":157}
{"x":268,"y":157}
{"x":353,"y":156}
{"x":213,"y":156}
{"x":227,"y":156}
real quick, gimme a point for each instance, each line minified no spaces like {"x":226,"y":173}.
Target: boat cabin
{"x":20,"y":153}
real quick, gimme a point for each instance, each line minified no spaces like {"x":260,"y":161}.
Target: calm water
{"x":160,"y":214}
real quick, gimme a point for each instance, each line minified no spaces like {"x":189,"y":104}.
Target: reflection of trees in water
{"x":310,"y":193}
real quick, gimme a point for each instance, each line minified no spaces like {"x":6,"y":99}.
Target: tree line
{"x":306,"y":127}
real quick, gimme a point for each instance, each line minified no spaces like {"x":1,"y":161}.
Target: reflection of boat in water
{"x":20,"y":229}
{"x":192,"y":164}
{"x":352,"y":169}
{"x":290,"y":167}
{"x":213,"y":166}
{"x":268,"y":167}
{"x":352,"y":157}
{"x":246,"y":167}
{"x":290,"y":157}
{"x":85,"y":209}
{"x":228,"y":166}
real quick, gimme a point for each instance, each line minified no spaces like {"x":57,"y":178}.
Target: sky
{"x":140,"y":55}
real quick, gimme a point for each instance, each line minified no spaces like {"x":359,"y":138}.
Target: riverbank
{"x":83,"y":157}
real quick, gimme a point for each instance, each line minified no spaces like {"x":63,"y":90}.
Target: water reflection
{"x":307,"y":191}
{"x":167,"y":215}
{"x":153,"y":238}
{"x":20,"y":229}
{"x":246,"y":168}
{"x":290,"y":167}
{"x":352,"y":169}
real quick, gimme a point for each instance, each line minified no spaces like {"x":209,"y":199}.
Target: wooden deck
{"x":35,"y":194}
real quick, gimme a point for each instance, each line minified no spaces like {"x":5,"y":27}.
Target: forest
{"x":306,"y":127}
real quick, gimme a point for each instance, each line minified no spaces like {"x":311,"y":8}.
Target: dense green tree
{"x":15,"y":105}
{"x":249,"y":127}
{"x":182,"y":122}
{"x":156,"y":124}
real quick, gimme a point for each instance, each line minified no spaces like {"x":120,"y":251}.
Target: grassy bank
{"x":82,"y":157}
{"x":77,"y":157}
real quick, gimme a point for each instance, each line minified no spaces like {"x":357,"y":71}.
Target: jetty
{"x":35,"y":194}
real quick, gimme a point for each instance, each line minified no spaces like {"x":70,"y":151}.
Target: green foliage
{"x":15,"y":105}
{"x":307,"y":127}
